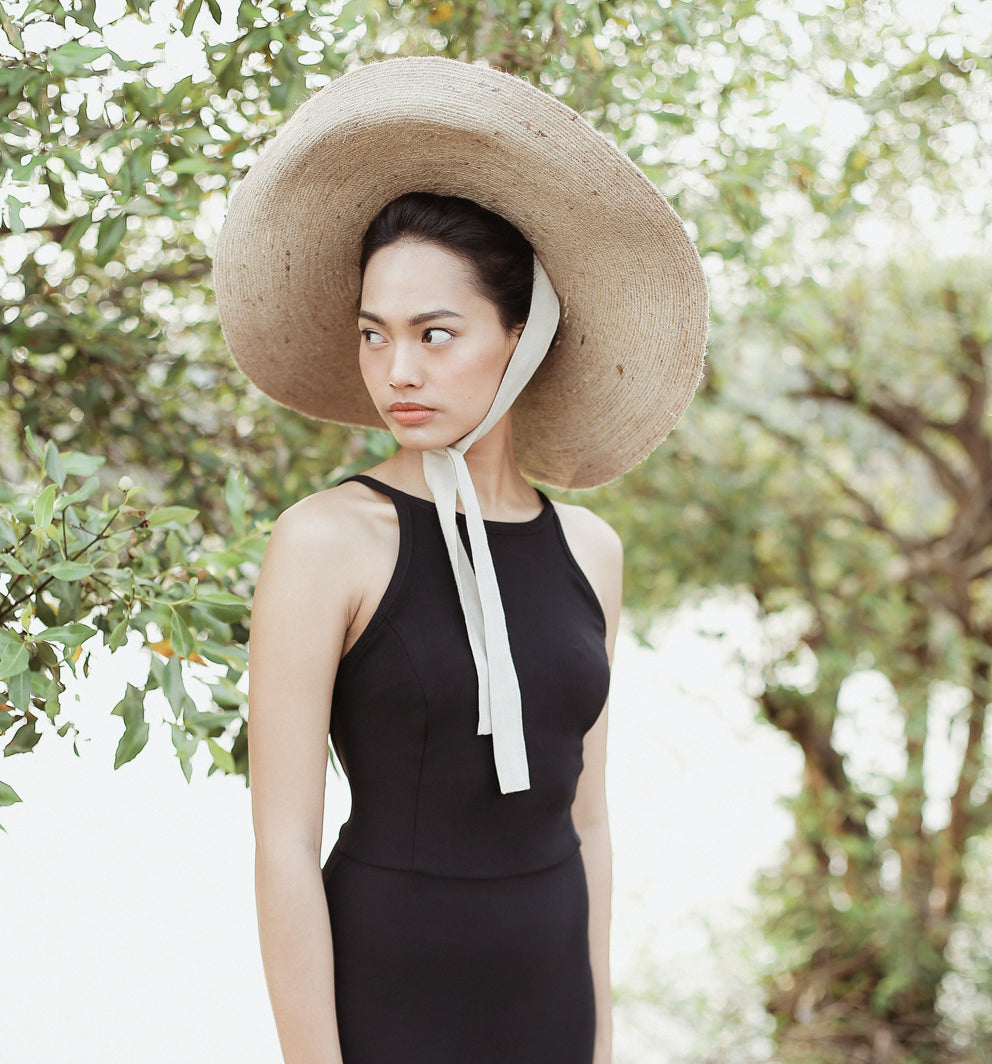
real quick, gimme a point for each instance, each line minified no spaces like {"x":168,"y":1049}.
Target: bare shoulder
{"x":339,"y":520}
{"x":599,"y":553}
{"x":329,"y":544}
{"x":589,"y":533}
{"x":329,"y":560}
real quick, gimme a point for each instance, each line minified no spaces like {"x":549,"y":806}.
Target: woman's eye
{"x":437,"y":336}
{"x":371,"y":337}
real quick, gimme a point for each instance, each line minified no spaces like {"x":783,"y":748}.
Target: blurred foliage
{"x":836,"y":467}
{"x":838,"y":471}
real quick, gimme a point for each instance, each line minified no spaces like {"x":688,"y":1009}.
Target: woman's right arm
{"x":300,"y":615}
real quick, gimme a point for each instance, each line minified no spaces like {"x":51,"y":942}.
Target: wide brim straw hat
{"x":629,"y":350}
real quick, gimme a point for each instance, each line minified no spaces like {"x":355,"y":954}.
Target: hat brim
{"x":629,"y":352}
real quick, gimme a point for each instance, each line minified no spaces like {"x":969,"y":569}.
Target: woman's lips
{"x":411,"y":413}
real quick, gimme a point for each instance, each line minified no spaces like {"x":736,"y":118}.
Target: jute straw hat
{"x":629,"y":352}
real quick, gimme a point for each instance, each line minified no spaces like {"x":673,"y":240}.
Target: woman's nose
{"x":405,"y":370}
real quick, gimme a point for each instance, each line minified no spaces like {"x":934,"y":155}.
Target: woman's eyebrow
{"x":417,"y":319}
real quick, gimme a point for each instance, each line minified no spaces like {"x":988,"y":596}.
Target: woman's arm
{"x":598,"y":551}
{"x":299,"y":619}
{"x":593,"y":827}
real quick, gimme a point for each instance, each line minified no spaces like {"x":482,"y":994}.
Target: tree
{"x":852,"y":502}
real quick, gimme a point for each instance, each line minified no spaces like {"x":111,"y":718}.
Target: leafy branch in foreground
{"x":82,"y":571}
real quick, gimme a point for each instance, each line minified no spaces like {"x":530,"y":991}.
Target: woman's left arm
{"x":593,"y":827}
{"x":598,"y":551}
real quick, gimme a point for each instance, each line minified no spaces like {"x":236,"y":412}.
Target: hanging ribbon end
{"x":513,"y":778}
{"x":516,"y":787}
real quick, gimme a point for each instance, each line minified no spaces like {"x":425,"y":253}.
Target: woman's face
{"x":433,"y":350}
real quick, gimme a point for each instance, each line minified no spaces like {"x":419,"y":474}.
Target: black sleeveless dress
{"x":459,"y":914}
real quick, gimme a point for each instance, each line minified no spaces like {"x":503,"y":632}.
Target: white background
{"x":129,"y":932}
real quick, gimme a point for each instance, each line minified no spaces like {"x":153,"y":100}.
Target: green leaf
{"x":76,"y":233}
{"x":52,"y":707}
{"x":118,"y":636}
{"x":228,"y":73}
{"x":176,"y":548}
{"x":14,"y":655}
{"x":236,"y":497}
{"x":222,"y":654}
{"x":108,"y":241}
{"x":175,"y":690}
{"x":8,"y":796}
{"x":215,"y":12}
{"x":44,"y":507}
{"x":131,"y":709}
{"x":82,"y":465}
{"x":194,"y":165}
{"x":25,"y":739}
{"x":227,"y":694}
{"x":189,"y":16}
{"x":180,"y":636}
{"x":66,"y":570}
{"x":53,"y":464}
{"x":33,"y":445}
{"x":14,"y":79}
{"x":279,"y":95}
{"x":223,"y":759}
{"x":69,"y":635}
{"x":201,"y":723}
{"x":222,"y":598}
{"x":186,"y":746}
{"x":56,"y":189}
{"x":175,"y":96}
{"x":14,"y":206}
{"x":164,"y":515}
{"x":11,"y":30}
{"x":222,"y":605}
{"x":248,"y":12}
{"x":15,"y":565}
{"x":84,"y":491}
{"x":73,"y":57}
{"x":143,"y":207}
{"x":19,"y":690}
{"x":196,"y":135}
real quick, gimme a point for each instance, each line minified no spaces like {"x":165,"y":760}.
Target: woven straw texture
{"x":629,"y":353}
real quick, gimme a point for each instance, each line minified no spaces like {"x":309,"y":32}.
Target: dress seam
{"x":343,"y":852}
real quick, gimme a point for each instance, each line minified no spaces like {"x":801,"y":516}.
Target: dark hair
{"x":502,"y":260}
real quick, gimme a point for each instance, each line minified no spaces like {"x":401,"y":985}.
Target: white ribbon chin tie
{"x":448,"y":478}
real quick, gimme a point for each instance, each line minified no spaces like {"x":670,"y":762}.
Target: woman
{"x":463,"y":914}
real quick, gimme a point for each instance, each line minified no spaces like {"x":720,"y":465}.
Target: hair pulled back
{"x":502,"y":260}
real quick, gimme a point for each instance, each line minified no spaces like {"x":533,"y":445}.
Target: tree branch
{"x":869,"y":513}
{"x":964,"y":814}
{"x":789,"y":711}
{"x":970,"y":429}
{"x":907,"y":422}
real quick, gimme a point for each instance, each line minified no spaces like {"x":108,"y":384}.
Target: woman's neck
{"x":502,"y":492}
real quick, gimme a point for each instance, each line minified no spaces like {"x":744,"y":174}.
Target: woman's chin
{"x":423,"y":438}
{"x":409,"y":442}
